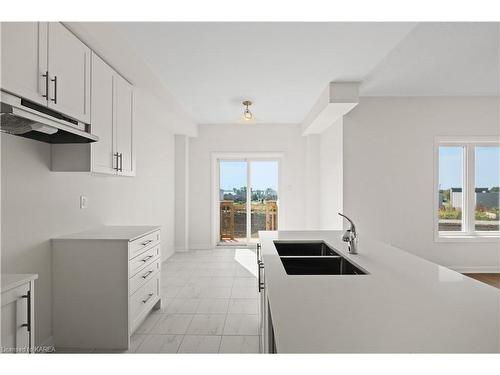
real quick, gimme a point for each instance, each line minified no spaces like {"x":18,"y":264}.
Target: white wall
{"x":38,"y":204}
{"x":331,"y":177}
{"x":388,"y":171}
{"x":245,"y":138}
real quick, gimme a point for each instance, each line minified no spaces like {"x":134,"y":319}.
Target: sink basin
{"x":320,"y":266}
{"x":304,"y":248}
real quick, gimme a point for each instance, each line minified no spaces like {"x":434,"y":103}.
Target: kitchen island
{"x":403,"y":304}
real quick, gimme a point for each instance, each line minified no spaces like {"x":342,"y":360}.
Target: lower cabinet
{"x":18,"y":316}
{"x":266,"y":334}
{"x":105,"y":283}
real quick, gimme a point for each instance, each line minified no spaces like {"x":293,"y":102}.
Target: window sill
{"x":493,"y":237}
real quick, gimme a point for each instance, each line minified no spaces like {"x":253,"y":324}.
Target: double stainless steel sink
{"x":314,"y":258}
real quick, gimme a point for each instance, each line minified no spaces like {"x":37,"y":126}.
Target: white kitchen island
{"x":404,"y":303}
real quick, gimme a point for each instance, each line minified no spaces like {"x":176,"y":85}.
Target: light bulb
{"x":247,"y":115}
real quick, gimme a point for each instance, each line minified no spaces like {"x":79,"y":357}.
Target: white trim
{"x":468,"y":233}
{"x":475,"y":269}
{"x":215,"y":178}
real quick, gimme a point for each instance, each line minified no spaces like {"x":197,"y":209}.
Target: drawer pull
{"x":147,"y":274}
{"x":146,"y":242}
{"x":147,"y":258}
{"x":149,"y":297}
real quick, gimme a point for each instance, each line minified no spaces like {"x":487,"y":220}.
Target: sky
{"x":487,"y":167}
{"x":233,"y":174}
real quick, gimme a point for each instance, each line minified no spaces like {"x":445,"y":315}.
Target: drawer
{"x":143,"y":259}
{"x":145,"y":297}
{"x":137,"y":246}
{"x":144,"y":275}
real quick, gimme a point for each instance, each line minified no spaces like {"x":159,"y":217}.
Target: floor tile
{"x":239,"y":344}
{"x":245,"y":282}
{"x":160,"y":344}
{"x":135,"y":341}
{"x":245,"y":292}
{"x":243,"y":306}
{"x":200,"y":344}
{"x":149,"y":323}
{"x":241,"y":324}
{"x":217,"y":292}
{"x":195,"y":291}
{"x":172,"y":324}
{"x":223,"y":272}
{"x":245,"y":272}
{"x":170,"y":291}
{"x":173,"y":281}
{"x":213,"y":306}
{"x":207,"y":324}
{"x":183,"y":306}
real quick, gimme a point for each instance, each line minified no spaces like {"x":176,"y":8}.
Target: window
{"x":468,"y":188}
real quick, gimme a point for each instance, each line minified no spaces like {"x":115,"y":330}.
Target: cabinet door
{"x":15,"y":336}
{"x":103,"y":159}
{"x":123,"y":125}
{"x":24,"y":60}
{"x":69,"y":70}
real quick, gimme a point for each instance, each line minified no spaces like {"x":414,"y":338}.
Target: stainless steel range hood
{"x":26,"y":119}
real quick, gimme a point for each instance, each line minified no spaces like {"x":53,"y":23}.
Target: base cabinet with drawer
{"x":18,"y":315}
{"x":105,"y":283}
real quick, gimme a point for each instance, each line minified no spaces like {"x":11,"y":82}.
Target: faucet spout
{"x":350,"y":236}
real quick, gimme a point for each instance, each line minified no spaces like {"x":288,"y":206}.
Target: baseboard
{"x":200,"y":247}
{"x":476,"y":269}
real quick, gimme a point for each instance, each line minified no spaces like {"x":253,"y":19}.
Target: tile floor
{"x":210,"y":304}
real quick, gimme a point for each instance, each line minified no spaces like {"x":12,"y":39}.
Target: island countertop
{"x":404,"y":303}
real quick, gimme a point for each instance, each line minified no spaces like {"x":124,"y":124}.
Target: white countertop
{"x":405,"y":303}
{"x":128,"y":233}
{"x":13,"y":280}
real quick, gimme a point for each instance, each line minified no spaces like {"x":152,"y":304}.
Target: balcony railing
{"x":233,"y":219}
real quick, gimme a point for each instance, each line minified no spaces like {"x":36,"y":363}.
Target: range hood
{"x":27,"y":119}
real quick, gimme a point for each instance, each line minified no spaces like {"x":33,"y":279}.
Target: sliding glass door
{"x":248,"y":199}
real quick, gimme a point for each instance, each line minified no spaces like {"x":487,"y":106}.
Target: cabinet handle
{"x":258,"y":252}
{"x":116,"y":154}
{"x":260,"y":284}
{"x":28,"y":298}
{"x":46,"y":76}
{"x":149,"y":297}
{"x":55,"y":89}
{"x":147,"y":258}
{"x":147,"y":274}
{"x":146,"y":242}
{"x":121,"y":162}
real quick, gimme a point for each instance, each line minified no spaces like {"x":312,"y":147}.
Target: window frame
{"x":468,"y":232}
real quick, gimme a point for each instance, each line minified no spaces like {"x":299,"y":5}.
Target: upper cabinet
{"x":24,"y":64}
{"x":123,"y":126}
{"x":111,"y":121}
{"x":69,"y":73}
{"x":103,"y":158}
{"x":45,"y":63}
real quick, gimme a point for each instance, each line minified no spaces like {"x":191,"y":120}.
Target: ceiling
{"x":283,"y":67}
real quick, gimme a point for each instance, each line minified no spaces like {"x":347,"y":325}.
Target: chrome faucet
{"x":351,"y":237}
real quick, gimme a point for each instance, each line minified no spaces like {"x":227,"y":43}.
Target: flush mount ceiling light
{"x":247,"y":114}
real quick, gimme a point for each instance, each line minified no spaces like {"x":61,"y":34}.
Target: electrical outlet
{"x":84,"y":202}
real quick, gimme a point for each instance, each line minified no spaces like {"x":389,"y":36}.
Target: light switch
{"x":84,"y":202}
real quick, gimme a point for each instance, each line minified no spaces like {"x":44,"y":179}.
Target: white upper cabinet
{"x":24,"y":60}
{"x":103,"y":155}
{"x":45,"y":63}
{"x":123,"y":124}
{"x":69,"y":73}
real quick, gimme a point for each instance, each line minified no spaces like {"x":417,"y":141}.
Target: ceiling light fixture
{"x":247,"y":115}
